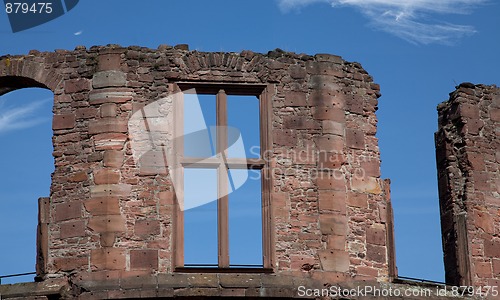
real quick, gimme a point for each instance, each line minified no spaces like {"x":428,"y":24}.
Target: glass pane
{"x":244,"y":126}
{"x":199,"y":125}
{"x":245,"y":220}
{"x":200,"y":218}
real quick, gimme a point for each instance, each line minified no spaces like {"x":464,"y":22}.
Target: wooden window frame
{"x":221,"y":91}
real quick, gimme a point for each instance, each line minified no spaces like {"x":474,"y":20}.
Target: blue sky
{"x":417,"y":51}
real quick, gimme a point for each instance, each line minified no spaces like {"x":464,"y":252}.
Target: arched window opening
{"x":26,"y":166}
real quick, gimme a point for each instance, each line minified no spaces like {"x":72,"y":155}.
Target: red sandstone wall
{"x":468,"y":160}
{"x":108,"y":218}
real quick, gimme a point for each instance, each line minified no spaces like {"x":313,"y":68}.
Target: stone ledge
{"x":47,"y":288}
{"x":176,"y":285}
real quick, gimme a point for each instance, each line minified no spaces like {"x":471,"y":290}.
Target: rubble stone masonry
{"x":468,"y":160}
{"x":108,"y":228}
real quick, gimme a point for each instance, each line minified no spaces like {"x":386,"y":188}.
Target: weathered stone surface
{"x":106,"y":190}
{"x":366,"y":185}
{"x":67,"y":211}
{"x":333,"y":224}
{"x":110,"y":95}
{"x":107,"y":223}
{"x":334,"y":260}
{"x":108,"y":125}
{"x":64,"y":121}
{"x":108,"y":79}
{"x":106,"y":176}
{"x":147,"y":227}
{"x":109,"y":141}
{"x":113,"y":158}
{"x":101,"y":206}
{"x":108,"y":258}
{"x":144,"y":259}
{"x":465,"y":149}
{"x":73,"y":229}
{"x":76,"y":85}
{"x":117,"y":240}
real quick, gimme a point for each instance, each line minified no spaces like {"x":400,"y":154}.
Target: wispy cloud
{"x":411,"y":20}
{"x":15,"y":118}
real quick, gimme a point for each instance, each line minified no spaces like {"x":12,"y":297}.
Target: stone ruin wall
{"x":468,"y":160}
{"x":107,"y":219}
{"x":107,"y":229}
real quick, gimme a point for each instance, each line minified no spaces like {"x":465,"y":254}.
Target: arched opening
{"x":26,"y":166}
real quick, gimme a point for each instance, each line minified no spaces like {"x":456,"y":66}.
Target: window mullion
{"x":223,"y":180}
{"x":179,"y":175}
{"x":266,"y":142}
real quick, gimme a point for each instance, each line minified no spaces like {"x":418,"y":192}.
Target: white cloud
{"x":287,"y":5}
{"x":14,"y":118}
{"x":408,"y":19}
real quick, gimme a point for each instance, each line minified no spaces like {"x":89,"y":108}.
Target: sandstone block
{"x":109,"y":141}
{"x":323,"y":83}
{"x":295,"y":99}
{"x":333,"y":224}
{"x":70,"y":263}
{"x":366,"y":185}
{"x":106,"y":176}
{"x":331,"y":161}
{"x":76,"y":85}
{"x":376,"y":253}
{"x":336,"y":242}
{"x":328,"y":113}
{"x":72,"y":229}
{"x":110,"y":95}
{"x":108,"y":125}
{"x":355,"y":138}
{"x":334,"y":260}
{"x":65,"y":121}
{"x":78,"y":177}
{"x":108,"y":110}
{"x":144,"y":259}
{"x":239,"y":280}
{"x":376,"y":235}
{"x":109,"y":223}
{"x":109,"y":79}
{"x":107,"y":190}
{"x":113,"y":158}
{"x":332,"y":200}
{"x":332,"y":127}
{"x":100,"y":206}
{"x":492,"y":248}
{"x":330,"y":143}
{"x":108,"y":258}
{"x":86,"y":113}
{"x":68,"y":211}
{"x":334,"y":180}
{"x":357,"y":200}
{"x":108,"y":62}
{"x":147,"y":227}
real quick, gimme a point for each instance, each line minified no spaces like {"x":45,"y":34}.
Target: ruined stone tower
{"x":468,"y":157}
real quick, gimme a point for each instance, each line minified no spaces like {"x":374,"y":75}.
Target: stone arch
{"x":12,"y":83}
{"x":27,"y":71}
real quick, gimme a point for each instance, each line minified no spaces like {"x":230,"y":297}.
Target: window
{"x":223,"y":212}
{"x":27,"y":161}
